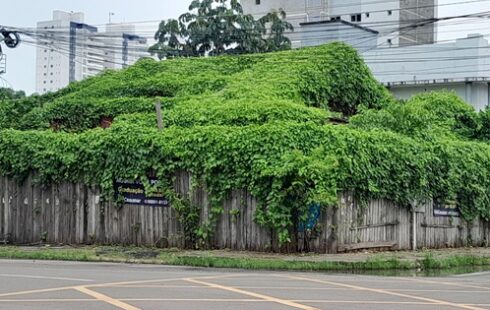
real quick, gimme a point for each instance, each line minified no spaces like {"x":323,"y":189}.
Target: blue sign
{"x":312,"y":219}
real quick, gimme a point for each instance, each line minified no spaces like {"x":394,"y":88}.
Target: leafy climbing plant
{"x":259,"y":123}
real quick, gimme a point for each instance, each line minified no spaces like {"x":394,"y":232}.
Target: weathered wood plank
{"x":72,"y":213}
{"x":365,"y":245}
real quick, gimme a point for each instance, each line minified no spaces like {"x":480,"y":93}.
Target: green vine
{"x":257,"y":123}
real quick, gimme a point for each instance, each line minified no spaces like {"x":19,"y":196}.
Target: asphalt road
{"x":66,"y":285}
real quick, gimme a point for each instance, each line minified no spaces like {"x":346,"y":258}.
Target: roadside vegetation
{"x":422,"y":262}
{"x":258,"y":122}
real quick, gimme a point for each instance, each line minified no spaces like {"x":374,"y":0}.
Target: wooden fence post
{"x":158,"y":107}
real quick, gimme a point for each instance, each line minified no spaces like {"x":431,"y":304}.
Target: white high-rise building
{"x":123,"y":46}
{"x":69,"y":50}
{"x":52,"y":60}
{"x":393,"y":20}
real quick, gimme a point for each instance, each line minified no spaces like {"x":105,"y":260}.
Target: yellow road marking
{"x":44,"y":290}
{"x":252,"y":294}
{"x":43,"y":277}
{"x":106,"y":299}
{"x":48,"y":300}
{"x":263,"y":300}
{"x":296,"y":288}
{"x":159,"y":280}
{"x":64,"y":288}
{"x":386,"y":292}
{"x":212,"y":300}
{"x":196,"y":299}
{"x":448,"y":283}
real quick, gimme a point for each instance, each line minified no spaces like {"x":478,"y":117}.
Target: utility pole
{"x":158,"y":107}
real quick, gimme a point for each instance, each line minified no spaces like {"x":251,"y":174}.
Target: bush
{"x":424,"y":115}
{"x":282,"y":82}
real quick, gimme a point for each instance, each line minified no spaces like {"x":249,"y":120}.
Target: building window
{"x":390,"y":12}
{"x":335,"y":18}
{"x":356,"y":18}
{"x":257,"y":2}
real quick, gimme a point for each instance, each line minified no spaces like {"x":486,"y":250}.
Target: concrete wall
{"x":411,"y":11}
{"x":314,"y":34}
{"x":384,"y":17}
{"x":461,"y":66}
{"x":377,"y":15}
{"x":475,"y":93}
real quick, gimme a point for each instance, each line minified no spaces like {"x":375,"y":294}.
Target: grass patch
{"x":280,"y":264}
{"x":432,"y":262}
{"x":207,"y":259}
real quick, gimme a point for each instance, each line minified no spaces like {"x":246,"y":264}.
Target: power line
{"x":62,"y":39}
{"x":299,"y":11}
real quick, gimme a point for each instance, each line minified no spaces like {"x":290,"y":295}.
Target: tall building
{"x":397,"y":22}
{"x":123,"y":46}
{"x":70,"y":50}
{"x":460,"y":66}
{"x":53,"y":64}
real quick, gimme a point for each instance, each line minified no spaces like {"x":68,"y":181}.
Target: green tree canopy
{"x":9,"y":93}
{"x":217,"y":27}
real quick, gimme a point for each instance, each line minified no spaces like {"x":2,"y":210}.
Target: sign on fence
{"x":442,"y":209}
{"x":133,"y":193}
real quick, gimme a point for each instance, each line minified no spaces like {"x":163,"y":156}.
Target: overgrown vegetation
{"x":9,"y":93}
{"x":255,"y":122}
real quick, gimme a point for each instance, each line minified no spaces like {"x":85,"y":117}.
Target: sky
{"x":26,"y":13}
{"x":21,"y":61}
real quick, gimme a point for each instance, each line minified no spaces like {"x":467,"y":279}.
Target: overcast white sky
{"x":26,"y":13}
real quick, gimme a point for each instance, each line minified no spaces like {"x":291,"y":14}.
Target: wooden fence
{"x":74,"y":214}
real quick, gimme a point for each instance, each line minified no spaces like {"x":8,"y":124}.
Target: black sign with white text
{"x":133,"y":193}
{"x":441,"y":209}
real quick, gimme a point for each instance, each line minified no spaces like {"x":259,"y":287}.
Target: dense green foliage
{"x":219,"y":27}
{"x":9,"y":93}
{"x":261,"y":123}
{"x":424,"y":115}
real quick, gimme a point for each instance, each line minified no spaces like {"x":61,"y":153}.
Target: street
{"x":72,"y":285}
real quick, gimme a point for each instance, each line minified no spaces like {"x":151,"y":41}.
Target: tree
{"x":9,"y":93}
{"x":217,"y":27}
{"x":278,"y":27}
